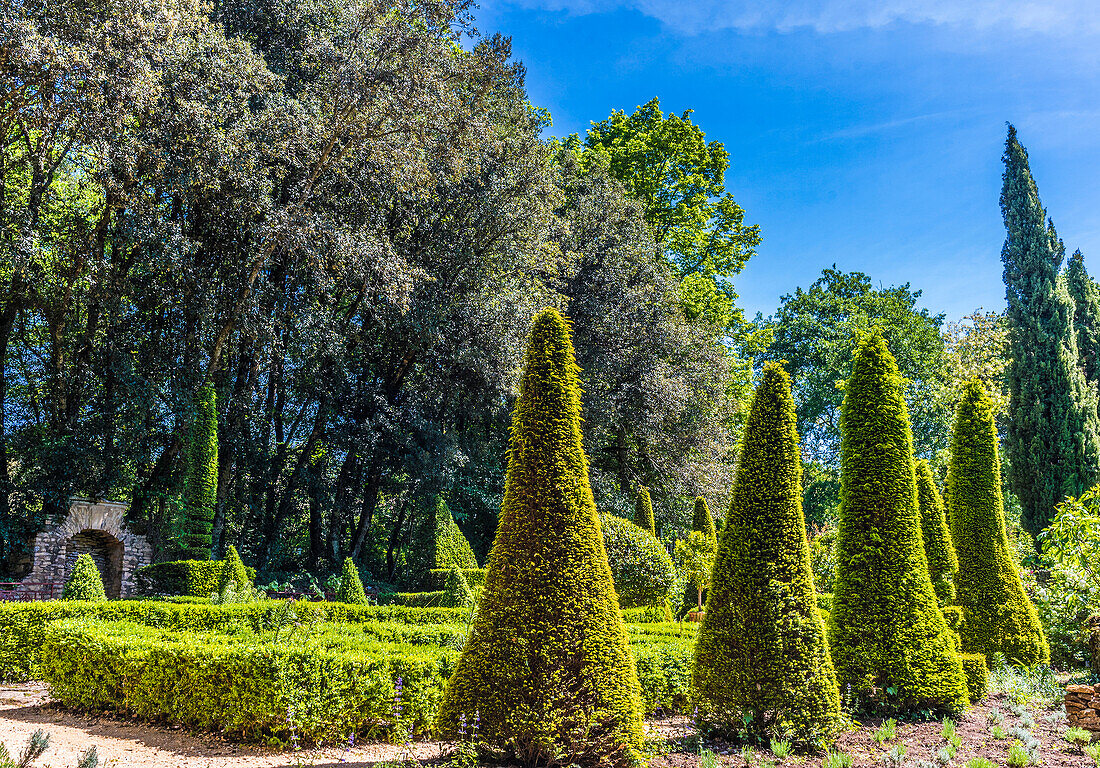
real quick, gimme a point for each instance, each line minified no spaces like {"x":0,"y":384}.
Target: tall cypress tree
{"x":1086,"y":316}
{"x":889,"y":640}
{"x":942,"y":562}
{"x":201,"y":482}
{"x":762,"y":660}
{"x":643,"y":511}
{"x":548,"y":666}
{"x":1053,"y":439}
{"x":999,"y":616}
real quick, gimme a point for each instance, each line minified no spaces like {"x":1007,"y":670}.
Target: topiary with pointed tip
{"x":702,"y":520}
{"x":456,"y":591}
{"x":84,"y":582}
{"x":761,"y":659}
{"x":942,"y":563}
{"x":889,"y":640}
{"x":233,"y":570}
{"x":351,"y":586}
{"x":547,"y":665}
{"x":643,"y":511}
{"x":999,"y":615}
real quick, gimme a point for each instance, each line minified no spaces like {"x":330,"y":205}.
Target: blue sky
{"x":865,"y":133}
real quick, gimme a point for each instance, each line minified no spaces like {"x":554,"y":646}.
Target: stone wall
{"x":98,"y":529}
{"x":1083,"y":708}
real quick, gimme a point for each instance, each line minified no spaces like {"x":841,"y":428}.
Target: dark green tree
{"x":351,"y":586}
{"x":84,"y":582}
{"x":889,"y":640}
{"x":761,"y":658}
{"x":942,"y":562}
{"x":1086,"y":316}
{"x":998,"y":615}
{"x":1053,"y":438}
{"x":548,"y":664}
{"x":643,"y":511}
{"x":201,"y":482}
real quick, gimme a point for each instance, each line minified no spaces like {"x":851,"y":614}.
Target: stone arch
{"x":106,"y":551}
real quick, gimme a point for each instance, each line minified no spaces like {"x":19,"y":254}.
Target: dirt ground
{"x":26,"y":708}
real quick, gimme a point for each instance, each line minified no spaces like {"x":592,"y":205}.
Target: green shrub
{"x":942,"y":562}
{"x":232,"y":570}
{"x":351,"y":586}
{"x":640,"y":566}
{"x":84,"y":582}
{"x":475,"y":577}
{"x":761,"y":660}
{"x":664,"y":671}
{"x":702,"y":520}
{"x":999,"y":615}
{"x":456,"y":592}
{"x":414,"y":599}
{"x":201,"y":480}
{"x":646,"y":614}
{"x":643,"y":511}
{"x":977,"y":675}
{"x":547,"y":664}
{"x":886,"y":631}
{"x":193,"y":578}
{"x":953,"y":615}
{"x":444,"y":545}
{"x":825,"y":602}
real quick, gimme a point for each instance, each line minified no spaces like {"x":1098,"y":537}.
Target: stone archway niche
{"x":96,"y":528}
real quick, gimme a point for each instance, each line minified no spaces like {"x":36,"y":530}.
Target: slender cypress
{"x":201,"y":485}
{"x":938,"y":548}
{"x":1086,"y":316}
{"x":643,"y":511}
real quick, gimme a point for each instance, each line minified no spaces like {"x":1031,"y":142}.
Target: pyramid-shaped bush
{"x":442,"y":545}
{"x":938,"y":548}
{"x":84,"y":582}
{"x":761,"y":659}
{"x":702,"y":520}
{"x":351,"y":586}
{"x":456,"y":591}
{"x":999,"y":615}
{"x":547,"y":665}
{"x":232,"y":569}
{"x":890,"y":642}
{"x":643,"y":511}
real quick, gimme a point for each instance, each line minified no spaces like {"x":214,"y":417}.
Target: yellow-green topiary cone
{"x":998,"y":614}
{"x":702,"y":520}
{"x":351,"y":586}
{"x":643,"y":511}
{"x":890,"y":643}
{"x":233,"y":570}
{"x":547,"y":665}
{"x":942,"y":562}
{"x":84,"y":582}
{"x":761,"y":660}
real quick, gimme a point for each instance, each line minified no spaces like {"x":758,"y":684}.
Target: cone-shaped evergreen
{"x":1086,"y":316}
{"x":702,"y":520}
{"x":201,"y":488}
{"x":942,"y":563}
{"x":761,"y":658}
{"x":999,"y":615}
{"x":456,"y":590}
{"x":84,"y":582}
{"x":233,"y":570}
{"x":547,"y":665}
{"x":1053,"y":438}
{"x":351,"y":586}
{"x":888,"y":637}
{"x":643,"y":511}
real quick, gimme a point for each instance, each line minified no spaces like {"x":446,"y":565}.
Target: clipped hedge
{"x":193,"y":578}
{"x":640,"y":566}
{"x":977,"y":675}
{"x":646,"y":614}
{"x":475,"y":577}
{"x":413,"y":599}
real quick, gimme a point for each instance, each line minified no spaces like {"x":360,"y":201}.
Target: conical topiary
{"x":643,"y":511}
{"x":547,"y":665}
{"x":456,"y":590}
{"x":84,"y":582}
{"x":937,"y":537}
{"x":702,"y":520}
{"x":201,"y":482}
{"x":890,"y":642}
{"x":761,"y":659}
{"x":351,"y":586}
{"x":998,"y":614}
{"x":233,"y":570}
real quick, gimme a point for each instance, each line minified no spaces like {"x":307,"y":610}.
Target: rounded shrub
{"x":233,"y":570}
{"x":942,"y":563}
{"x":84,"y":582}
{"x":761,"y":658}
{"x":547,"y":665}
{"x":999,"y":615}
{"x":640,"y":566}
{"x":201,"y":482}
{"x":643,"y":511}
{"x":890,"y":642}
{"x":351,"y":586}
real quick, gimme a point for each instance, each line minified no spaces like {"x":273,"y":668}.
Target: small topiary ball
{"x":84,"y":582}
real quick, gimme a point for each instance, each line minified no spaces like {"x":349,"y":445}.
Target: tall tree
{"x":201,"y":481}
{"x":1053,"y":437}
{"x":1086,"y":316}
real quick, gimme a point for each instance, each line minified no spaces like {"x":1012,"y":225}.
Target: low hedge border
{"x":188,"y":578}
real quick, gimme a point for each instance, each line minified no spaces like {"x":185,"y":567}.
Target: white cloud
{"x":831,"y":16}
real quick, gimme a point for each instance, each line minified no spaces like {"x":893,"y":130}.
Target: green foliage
{"x":703,"y":521}
{"x":761,"y":660}
{"x":837,"y":760}
{"x":695,"y":558}
{"x":456,"y":592}
{"x":1053,"y":436}
{"x":889,"y":640}
{"x":193,"y":578}
{"x":475,"y":577}
{"x":977,"y":675}
{"x":1077,"y":736}
{"x":441,"y":546}
{"x":643,"y":511}
{"x":1086,"y":315}
{"x":547,"y":663}
{"x":351,"y":586}
{"x":233,"y":570}
{"x":201,"y":481}
{"x":942,"y":562}
{"x":888,"y":731}
{"x":640,"y":567}
{"x":84,"y":582}
{"x":823,"y":558}
{"x":999,"y":614}
{"x":1073,"y":537}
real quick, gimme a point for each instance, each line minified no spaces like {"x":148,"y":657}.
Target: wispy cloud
{"x":832,"y":16}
